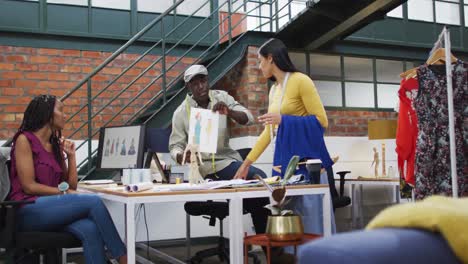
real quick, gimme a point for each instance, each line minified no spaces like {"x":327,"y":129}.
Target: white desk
{"x":357,"y":204}
{"x":130,"y":200}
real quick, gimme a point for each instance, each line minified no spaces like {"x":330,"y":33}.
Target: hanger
{"x":438,"y":57}
{"x":411,"y":73}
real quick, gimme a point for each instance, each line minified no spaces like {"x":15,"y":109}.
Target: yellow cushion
{"x":447,"y":216}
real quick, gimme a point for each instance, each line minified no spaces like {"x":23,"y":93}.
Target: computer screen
{"x":121,"y":147}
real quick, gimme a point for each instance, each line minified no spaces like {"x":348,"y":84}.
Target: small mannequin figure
{"x":194,"y":173}
{"x":376,"y":162}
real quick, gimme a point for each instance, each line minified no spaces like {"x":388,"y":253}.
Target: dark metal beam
{"x":328,"y":12}
{"x":351,"y":22}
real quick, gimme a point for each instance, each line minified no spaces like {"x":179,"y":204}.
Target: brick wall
{"x":246,"y":83}
{"x":26,"y":72}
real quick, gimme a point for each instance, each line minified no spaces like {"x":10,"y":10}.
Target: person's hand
{"x":71,"y":191}
{"x":242,"y":172}
{"x":180,"y":157}
{"x":67,"y":146}
{"x":221,"y":108}
{"x":270,"y":119}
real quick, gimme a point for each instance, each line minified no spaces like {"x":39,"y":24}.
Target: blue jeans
{"x":229,"y":172}
{"x":83,"y":215}
{"x":255,"y":206}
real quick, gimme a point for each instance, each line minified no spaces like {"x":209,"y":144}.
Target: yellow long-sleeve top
{"x":300,"y":99}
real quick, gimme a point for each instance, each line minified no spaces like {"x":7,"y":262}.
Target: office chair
{"x":338,"y":199}
{"x":43,"y":245}
{"x":212,"y":210}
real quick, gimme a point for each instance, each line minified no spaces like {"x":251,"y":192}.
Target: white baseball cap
{"x":194,"y":70}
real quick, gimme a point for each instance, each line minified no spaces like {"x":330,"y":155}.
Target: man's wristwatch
{"x":63,"y":187}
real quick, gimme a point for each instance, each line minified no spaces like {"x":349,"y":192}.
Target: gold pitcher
{"x":285,"y":228}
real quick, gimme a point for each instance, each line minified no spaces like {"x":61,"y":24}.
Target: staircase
{"x":219,"y":56}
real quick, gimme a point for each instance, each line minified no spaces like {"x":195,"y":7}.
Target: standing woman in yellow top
{"x":293,"y":93}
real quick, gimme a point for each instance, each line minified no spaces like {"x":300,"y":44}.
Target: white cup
{"x":125,"y":177}
{"x":147,"y":175}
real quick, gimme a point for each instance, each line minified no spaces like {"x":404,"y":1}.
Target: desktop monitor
{"x":121,"y":147}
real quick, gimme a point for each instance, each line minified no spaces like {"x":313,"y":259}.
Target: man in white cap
{"x":225,"y":162}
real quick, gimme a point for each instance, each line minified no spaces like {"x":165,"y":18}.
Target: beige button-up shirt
{"x":224,"y":155}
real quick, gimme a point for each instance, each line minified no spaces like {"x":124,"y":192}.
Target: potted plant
{"x":283,"y":224}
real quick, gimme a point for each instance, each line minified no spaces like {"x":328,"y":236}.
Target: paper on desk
{"x":210,"y":185}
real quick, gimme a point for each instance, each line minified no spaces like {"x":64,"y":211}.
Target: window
{"x":236,"y":6}
{"x":149,"y":5}
{"x":188,"y":7}
{"x":388,"y":70}
{"x":111,"y":4}
{"x":420,"y":10}
{"x":358,"y":69}
{"x":330,"y":93}
{"x":447,"y":13}
{"x":253,"y":20}
{"x":387,"y":95}
{"x":283,"y":15}
{"x":299,"y":60}
{"x":359,"y":94}
{"x":325,"y":67}
{"x":297,"y":7}
{"x":465,"y":9}
{"x":69,"y":2}
{"x":265,"y":12}
{"x":397,"y":12}
{"x":358,"y":84}
{"x":114,"y":4}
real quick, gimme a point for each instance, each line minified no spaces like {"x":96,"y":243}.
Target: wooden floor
{"x":177,"y":252}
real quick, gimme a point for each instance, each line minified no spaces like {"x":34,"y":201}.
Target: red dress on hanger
{"x":407,"y":130}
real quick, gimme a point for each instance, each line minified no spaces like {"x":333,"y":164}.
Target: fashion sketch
{"x":131,"y":150}
{"x":196,"y":139}
{"x":123,"y":150}
{"x":112,"y":147}
{"x":106,"y":148}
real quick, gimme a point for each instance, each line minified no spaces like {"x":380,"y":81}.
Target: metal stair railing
{"x":220,"y":54}
{"x":162,"y":93}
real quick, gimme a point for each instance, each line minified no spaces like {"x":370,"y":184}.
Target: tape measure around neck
{"x":283,"y":86}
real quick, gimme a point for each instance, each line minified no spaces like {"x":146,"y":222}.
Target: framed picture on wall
{"x":121,"y":147}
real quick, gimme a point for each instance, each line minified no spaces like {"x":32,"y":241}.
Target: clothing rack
{"x":444,"y":39}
